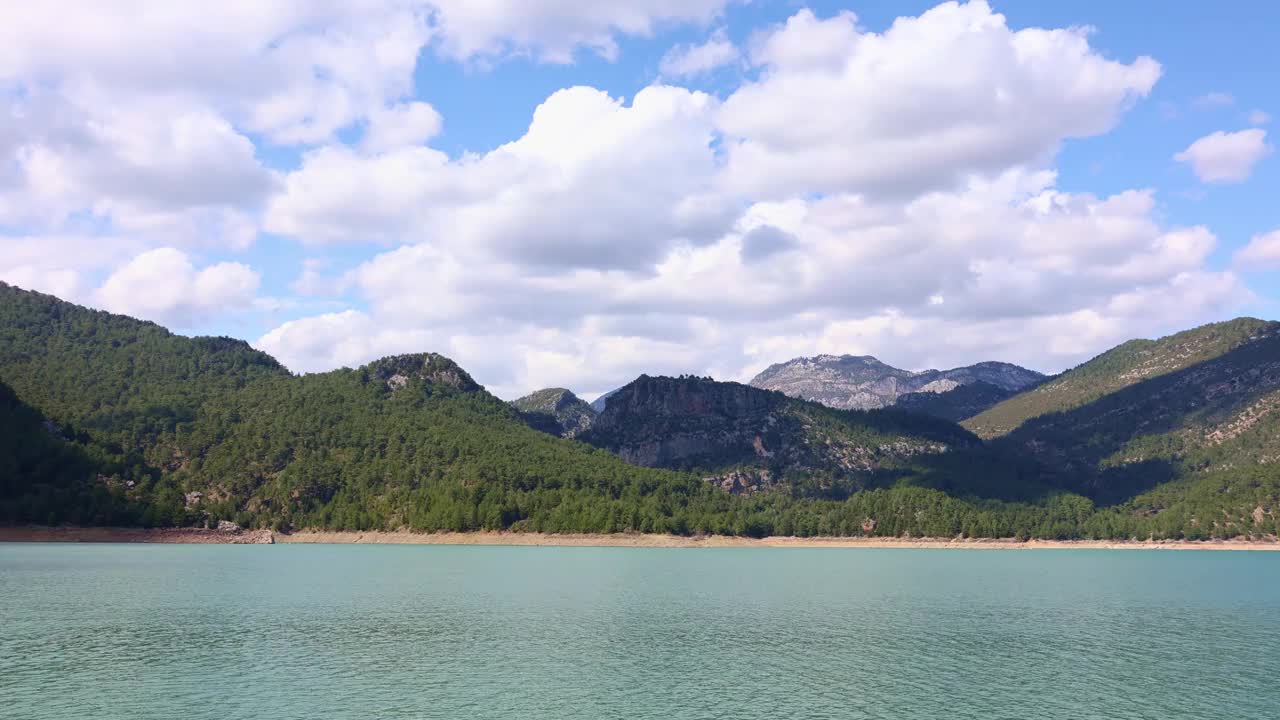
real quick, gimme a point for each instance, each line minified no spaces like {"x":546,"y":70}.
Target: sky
{"x":570,"y":193}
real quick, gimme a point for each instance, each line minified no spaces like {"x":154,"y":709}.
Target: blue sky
{"x":332,"y":184}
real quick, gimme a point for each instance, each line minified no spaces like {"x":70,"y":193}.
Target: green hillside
{"x":1118,"y":368}
{"x":556,"y":411}
{"x":47,"y":477}
{"x":109,"y":420}
{"x":957,"y":404}
{"x":1220,"y":415}
{"x":747,"y":439}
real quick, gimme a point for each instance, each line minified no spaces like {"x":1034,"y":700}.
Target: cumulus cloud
{"x":163,"y":285}
{"x":1009,"y":268}
{"x":614,"y":238}
{"x":294,"y":72}
{"x":691,"y":60}
{"x":878,"y":192}
{"x":1223,"y":157}
{"x":62,"y":265}
{"x":593,"y":182}
{"x":551,"y":30}
{"x":157,"y":166}
{"x":345,"y":339}
{"x":411,"y":123}
{"x":923,"y":105}
{"x":1262,"y":253}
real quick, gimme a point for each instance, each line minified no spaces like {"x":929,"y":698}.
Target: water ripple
{"x":596,"y":633}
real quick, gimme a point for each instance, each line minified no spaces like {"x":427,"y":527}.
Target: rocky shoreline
{"x":237,"y":536}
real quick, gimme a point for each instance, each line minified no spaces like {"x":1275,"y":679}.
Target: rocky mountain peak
{"x":862,"y":382}
{"x":434,"y":369}
{"x":655,"y":397}
{"x":556,"y":411}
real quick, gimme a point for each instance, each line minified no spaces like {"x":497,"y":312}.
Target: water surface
{"x":351,"y":631}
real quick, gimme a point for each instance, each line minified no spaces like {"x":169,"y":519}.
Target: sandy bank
{"x":196,"y":535}
{"x":711,"y":541}
{"x":190,"y":536}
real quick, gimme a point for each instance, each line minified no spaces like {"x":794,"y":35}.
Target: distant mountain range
{"x":106,"y":420}
{"x":746,"y":440}
{"x":853,"y":382}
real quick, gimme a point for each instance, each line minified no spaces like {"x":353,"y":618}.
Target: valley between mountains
{"x":110,"y":421}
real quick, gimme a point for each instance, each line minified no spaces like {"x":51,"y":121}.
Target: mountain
{"x":599,"y":403}
{"x":109,"y":420}
{"x":851,"y":382}
{"x":1125,"y":365}
{"x":150,"y":428}
{"x":956,"y":404}
{"x":1184,"y":408}
{"x":193,"y":430}
{"x":555,"y":411}
{"x":46,"y":470}
{"x":746,"y":440}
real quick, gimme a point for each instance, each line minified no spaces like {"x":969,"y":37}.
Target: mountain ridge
{"x":116,"y":421}
{"x":556,"y":411}
{"x":862,"y":382}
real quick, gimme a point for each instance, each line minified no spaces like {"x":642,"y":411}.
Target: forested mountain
{"x":1219,"y":415}
{"x":956,"y":404}
{"x":746,"y":440}
{"x":1179,"y":432}
{"x":1118,"y":368}
{"x":52,"y":473}
{"x":555,"y":411}
{"x":851,"y":382}
{"x":109,"y":420}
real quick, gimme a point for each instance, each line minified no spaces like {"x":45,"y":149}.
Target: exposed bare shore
{"x":196,"y":535}
{"x":191,"y":536}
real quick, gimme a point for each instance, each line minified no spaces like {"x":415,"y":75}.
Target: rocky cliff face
{"x":850,"y":382}
{"x":555,"y":411}
{"x":667,"y":422}
{"x":746,"y":439}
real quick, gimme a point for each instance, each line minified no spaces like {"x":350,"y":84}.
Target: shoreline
{"x":266,"y":537}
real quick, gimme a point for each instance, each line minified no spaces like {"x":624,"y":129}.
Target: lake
{"x":355,"y":631}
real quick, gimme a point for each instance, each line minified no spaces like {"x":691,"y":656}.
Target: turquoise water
{"x":345,"y":631}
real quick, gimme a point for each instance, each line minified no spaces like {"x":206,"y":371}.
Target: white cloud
{"x":925,"y":104}
{"x":1262,"y":253}
{"x":151,"y":165}
{"x":134,"y":119}
{"x":1258,"y":117}
{"x":551,"y":30}
{"x":62,"y":265}
{"x":888,"y":192}
{"x":592,"y":183}
{"x":1012,"y":269}
{"x":344,"y":339}
{"x":163,"y":285}
{"x":1223,"y":157}
{"x":295,"y":72}
{"x":691,"y":60}
{"x":411,"y":123}
{"x":313,"y":281}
